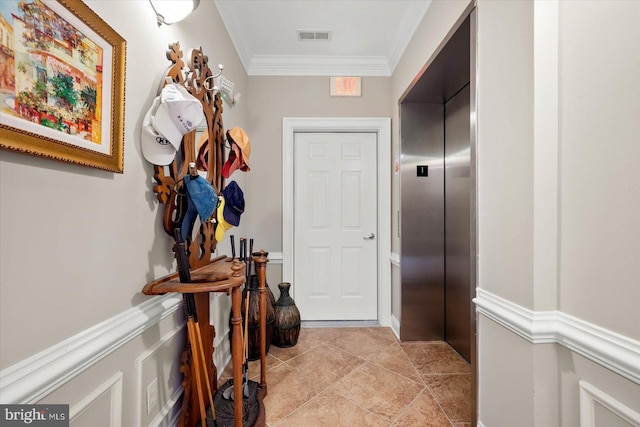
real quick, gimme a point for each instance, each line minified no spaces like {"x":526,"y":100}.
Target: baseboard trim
{"x":395,"y":326}
{"x":33,"y":378}
{"x":614,"y":351}
{"x":339,"y":323}
{"x":395,"y":259}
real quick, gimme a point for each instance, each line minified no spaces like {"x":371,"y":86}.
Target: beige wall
{"x":559,"y":234}
{"x":84,"y":242}
{"x":595,"y":211}
{"x":600,"y":153}
{"x":79,"y":244}
{"x":269,"y":100}
{"x":505,"y":377}
{"x":505,"y":148}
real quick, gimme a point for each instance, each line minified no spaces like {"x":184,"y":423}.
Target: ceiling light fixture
{"x":171,"y":11}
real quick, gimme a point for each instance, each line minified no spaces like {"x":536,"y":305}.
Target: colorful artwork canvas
{"x":56,"y":74}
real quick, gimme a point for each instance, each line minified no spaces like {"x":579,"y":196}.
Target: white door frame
{"x":382,"y":127}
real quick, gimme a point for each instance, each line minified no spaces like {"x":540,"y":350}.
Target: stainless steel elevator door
{"x":458,"y":222}
{"x":422,"y":222}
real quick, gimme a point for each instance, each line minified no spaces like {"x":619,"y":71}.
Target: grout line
{"x":392,"y":420}
{"x":382,"y":417}
{"x":403,"y":410}
{"x":438,"y":400}
{"x":439,"y":405}
{"x":333,"y":387}
{"x":324,"y":389}
{"x":421,"y":382}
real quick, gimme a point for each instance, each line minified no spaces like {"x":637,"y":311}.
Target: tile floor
{"x":358,"y":377}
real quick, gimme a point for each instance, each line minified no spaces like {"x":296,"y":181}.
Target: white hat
{"x":178,"y":114}
{"x":155,"y":147}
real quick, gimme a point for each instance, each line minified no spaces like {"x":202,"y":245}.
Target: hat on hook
{"x":155,"y":148}
{"x":222,"y":225}
{"x":234,"y":203}
{"x":202,"y":148}
{"x":201,"y":201}
{"x":239,"y":137}
{"x":178,"y":114}
{"x":233,"y":161}
{"x":239,"y":154}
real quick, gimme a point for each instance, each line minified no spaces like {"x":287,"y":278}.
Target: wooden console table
{"x":220,"y":275}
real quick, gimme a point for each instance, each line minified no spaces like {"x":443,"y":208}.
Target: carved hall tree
{"x":196,"y":78}
{"x":170,"y":192}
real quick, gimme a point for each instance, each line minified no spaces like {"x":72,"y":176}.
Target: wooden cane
{"x":206,"y":374}
{"x":193,"y":328}
{"x":196,"y":361}
{"x":204,"y":367}
{"x":246,"y":333}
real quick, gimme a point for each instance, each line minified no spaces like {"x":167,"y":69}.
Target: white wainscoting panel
{"x":168,"y":408}
{"x":112,"y":389}
{"x":222,"y":352}
{"x":153,"y":353}
{"x":616,"y":352}
{"x":275,"y":257}
{"x":590,"y":395}
{"x":33,"y":378}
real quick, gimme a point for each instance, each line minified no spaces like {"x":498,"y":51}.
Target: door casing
{"x":382,"y":127}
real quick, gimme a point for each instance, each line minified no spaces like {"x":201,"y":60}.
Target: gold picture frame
{"x":62,"y":82}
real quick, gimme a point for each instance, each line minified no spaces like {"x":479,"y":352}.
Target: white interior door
{"x":335,"y":225}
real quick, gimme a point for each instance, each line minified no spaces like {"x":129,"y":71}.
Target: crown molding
{"x":234,"y":33}
{"x":415,"y":14}
{"x":301,"y":65}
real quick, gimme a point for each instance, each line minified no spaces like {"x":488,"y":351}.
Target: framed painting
{"x":62,"y":80}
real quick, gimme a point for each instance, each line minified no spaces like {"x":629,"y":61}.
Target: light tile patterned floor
{"x":359,"y":377}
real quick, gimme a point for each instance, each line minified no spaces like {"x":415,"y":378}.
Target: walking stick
{"x":245,"y":379}
{"x":250,"y":258}
{"x":193,"y":330}
{"x":196,"y":362}
{"x":198,"y":337}
{"x":245,"y":365}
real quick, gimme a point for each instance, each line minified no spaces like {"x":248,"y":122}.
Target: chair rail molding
{"x":614,"y":351}
{"x":33,"y":378}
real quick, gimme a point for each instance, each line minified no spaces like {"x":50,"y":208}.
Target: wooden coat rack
{"x":214,"y":275}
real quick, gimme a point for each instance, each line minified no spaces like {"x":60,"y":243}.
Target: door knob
{"x":369,"y":237}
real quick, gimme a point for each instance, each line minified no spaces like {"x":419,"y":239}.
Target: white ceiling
{"x":367,"y":36}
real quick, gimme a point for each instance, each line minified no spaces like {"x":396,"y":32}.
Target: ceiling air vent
{"x":304,"y":35}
